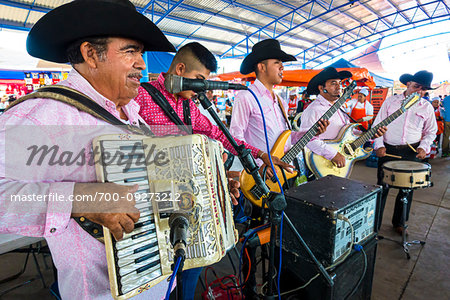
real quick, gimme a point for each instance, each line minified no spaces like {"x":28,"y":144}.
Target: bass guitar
{"x":248,"y":185}
{"x":350,"y":145}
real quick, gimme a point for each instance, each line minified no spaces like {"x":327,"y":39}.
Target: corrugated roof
{"x":314,"y":30}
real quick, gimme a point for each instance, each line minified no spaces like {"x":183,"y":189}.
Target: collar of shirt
{"x":322,"y":101}
{"x":76,"y":81}
{"x":262,"y":90}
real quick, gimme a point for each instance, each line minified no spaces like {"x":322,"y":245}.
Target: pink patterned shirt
{"x":155,"y":116}
{"x":79,"y":258}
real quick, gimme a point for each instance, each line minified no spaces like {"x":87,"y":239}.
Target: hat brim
{"x":405,"y":78}
{"x":313,"y":84}
{"x":250,"y":61}
{"x":55,"y":31}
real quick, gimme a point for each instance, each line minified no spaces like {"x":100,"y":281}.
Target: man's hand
{"x":276,"y":162}
{"x":381,"y":152}
{"x":382,"y":130}
{"x":233,"y":184}
{"x":339,"y":160}
{"x":360,"y":120}
{"x":323,"y":124}
{"x":107,"y":204}
{"x":421,"y":153}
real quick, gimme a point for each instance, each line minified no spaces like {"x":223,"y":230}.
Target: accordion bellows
{"x":174,"y":174}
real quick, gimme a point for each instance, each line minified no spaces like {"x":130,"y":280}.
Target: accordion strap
{"x":162,"y":102}
{"x":83,"y":103}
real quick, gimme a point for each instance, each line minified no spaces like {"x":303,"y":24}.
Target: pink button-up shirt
{"x":311,"y":115}
{"x":157,"y":119}
{"x":246,"y":120}
{"x":417,"y":124}
{"x":79,"y":258}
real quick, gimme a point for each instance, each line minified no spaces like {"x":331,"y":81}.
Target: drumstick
{"x":392,"y":155}
{"x":412,"y":148}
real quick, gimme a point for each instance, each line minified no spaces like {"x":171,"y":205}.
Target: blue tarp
{"x":379,"y":81}
{"x":12,"y":74}
{"x":158,"y":62}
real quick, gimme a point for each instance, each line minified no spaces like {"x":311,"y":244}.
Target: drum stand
{"x":405,"y":242}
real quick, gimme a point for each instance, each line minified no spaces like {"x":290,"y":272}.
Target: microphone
{"x":179,"y":225}
{"x":175,"y":84}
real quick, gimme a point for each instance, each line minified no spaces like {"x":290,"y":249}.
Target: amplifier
{"x":353,"y":276}
{"x":316,"y":210}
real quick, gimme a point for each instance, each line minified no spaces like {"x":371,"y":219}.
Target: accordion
{"x":174,"y":174}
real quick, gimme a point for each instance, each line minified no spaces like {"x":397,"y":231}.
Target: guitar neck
{"x":295,"y":150}
{"x":371,"y":132}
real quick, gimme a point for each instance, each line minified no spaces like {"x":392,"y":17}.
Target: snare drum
{"x":407,"y":174}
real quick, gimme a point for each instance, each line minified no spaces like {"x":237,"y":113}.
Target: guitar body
{"x":248,"y":183}
{"x":321,"y":166}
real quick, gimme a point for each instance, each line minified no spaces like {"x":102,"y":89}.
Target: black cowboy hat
{"x":423,"y":78}
{"x":323,"y":76}
{"x":55,"y":31}
{"x":263,"y":50}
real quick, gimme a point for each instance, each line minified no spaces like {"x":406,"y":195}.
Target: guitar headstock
{"x":350,"y":85}
{"x":411,"y":100}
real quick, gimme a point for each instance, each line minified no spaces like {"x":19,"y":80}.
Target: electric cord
{"x":172,"y":279}
{"x":362,"y":275}
{"x":279,"y":184}
{"x":338,"y":262}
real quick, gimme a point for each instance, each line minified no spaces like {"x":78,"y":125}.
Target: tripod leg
{"x":404,"y":226}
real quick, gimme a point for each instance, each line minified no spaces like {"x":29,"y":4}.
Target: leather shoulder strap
{"x":187,"y":112}
{"x":162,"y":102}
{"x":81,"y":102}
{"x":280,"y":104}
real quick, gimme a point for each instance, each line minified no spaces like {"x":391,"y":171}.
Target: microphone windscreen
{"x":173,"y":83}
{"x":178,"y":217}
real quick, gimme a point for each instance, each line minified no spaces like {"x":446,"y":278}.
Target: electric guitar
{"x":248,"y":185}
{"x":350,"y":145}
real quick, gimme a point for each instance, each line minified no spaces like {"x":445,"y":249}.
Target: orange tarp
{"x":302,"y":77}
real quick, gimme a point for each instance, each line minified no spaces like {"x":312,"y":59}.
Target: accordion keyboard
{"x":137,"y":254}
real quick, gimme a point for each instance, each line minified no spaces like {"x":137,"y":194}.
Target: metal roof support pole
{"x":145,"y":72}
{"x":169,"y":10}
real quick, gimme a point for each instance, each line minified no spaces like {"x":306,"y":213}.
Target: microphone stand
{"x":276,"y":201}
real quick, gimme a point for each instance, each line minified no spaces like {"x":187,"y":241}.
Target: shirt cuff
{"x":330,"y":154}
{"x":424,"y":146}
{"x":378,"y":143}
{"x":59,"y":208}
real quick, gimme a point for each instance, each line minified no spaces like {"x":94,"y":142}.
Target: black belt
{"x":402,"y":147}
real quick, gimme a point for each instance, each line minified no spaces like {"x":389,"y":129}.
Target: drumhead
{"x":405,"y":166}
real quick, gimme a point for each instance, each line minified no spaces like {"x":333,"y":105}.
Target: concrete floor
{"x":425,"y":276}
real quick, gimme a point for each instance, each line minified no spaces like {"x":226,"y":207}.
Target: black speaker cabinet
{"x":296,"y":271}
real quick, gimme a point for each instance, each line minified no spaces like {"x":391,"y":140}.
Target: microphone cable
{"x":279,"y":184}
{"x":172,"y":279}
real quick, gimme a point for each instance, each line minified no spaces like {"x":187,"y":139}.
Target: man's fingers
{"x":135,"y":215}
{"x":233,"y":174}
{"x":224,"y":156}
{"x":233,"y":200}
{"x":133,"y":189}
{"x":127,"y":224}
{"x":117,"y":231}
